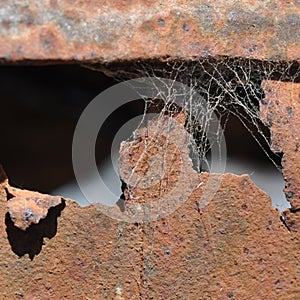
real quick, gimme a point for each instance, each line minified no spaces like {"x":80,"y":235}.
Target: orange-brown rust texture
{"x":234,"y":247}
{"x":107,"y":31}
{"x":281,"y":111}
{"x":26,"y":207}
{"x":164,"y":157}
{"x":74,"y":253}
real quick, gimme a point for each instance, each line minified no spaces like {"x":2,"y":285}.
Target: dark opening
{"x":40,"y":109}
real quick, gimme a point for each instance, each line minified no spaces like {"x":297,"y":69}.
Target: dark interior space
{"x":40,"y":107}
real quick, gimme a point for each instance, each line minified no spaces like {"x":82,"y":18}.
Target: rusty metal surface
{"x":281,"y":111}
{"x":74,"y":253}
{"x":107,"y":31}
{"x":26,"y":207}
{"x":235,"y":247}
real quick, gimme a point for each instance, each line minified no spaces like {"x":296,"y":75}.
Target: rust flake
{"x":26,"y":207}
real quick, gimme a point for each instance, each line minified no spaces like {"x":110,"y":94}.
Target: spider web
{"x":230,"y":87}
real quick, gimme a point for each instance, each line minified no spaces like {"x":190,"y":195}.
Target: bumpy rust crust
{"x":107,"y":31}
{"x":26,"y":207}
{"x":281,"y":111}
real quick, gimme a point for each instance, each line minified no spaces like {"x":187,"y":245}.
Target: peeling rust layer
{"x":156,"y":168}
{"x":89,"y":256}
{"x":281,"y":111}
{"x":26,"y":207}
{"x":106,"y":31}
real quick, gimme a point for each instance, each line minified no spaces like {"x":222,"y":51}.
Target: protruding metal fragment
{"x":26,"y":207}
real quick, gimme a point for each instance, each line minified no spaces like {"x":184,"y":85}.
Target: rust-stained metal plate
{"x":106,"y":31}
{"x":281,"y":111}
{"x":234,"y":247}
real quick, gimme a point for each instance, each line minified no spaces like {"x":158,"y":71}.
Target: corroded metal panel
{"x":106,"y":31}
